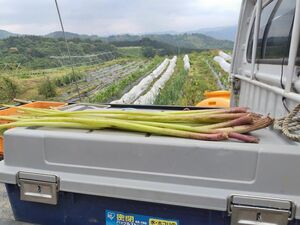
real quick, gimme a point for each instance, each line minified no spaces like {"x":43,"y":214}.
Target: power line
{"x":80,"y":56}
{"x":67,"y":46}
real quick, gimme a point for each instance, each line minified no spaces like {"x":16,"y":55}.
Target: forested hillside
{"x":35,"y":51}
{"x":70,"y":35}
{"x":186,"y":41}
{"x":161,"y":48}
{"x":38,"y":52}
{"x":5,"y":34}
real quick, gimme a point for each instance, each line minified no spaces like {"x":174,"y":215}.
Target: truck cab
{"x":266,"y":57}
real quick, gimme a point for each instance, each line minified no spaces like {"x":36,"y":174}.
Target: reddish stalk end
{"x":209,"y":137}
{"x":237,"y":110}
{"x":243,"y":137}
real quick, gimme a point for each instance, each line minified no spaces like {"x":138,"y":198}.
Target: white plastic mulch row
{"x":225,"y":56}
{"x":186,"y":62}
{"x":152,"y":94}
{"x":144,"y":84}
{"x":223,"y":63}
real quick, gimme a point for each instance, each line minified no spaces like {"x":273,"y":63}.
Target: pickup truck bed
{"x":153,"y":169}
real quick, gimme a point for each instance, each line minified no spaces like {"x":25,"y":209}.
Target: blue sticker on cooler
{"x":120,"y":218}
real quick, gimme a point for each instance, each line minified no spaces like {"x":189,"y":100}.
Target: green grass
{"x":116,"y":89}
{"x":173,"y":88}
{"x":197,"y":82}
{"x":131,"y":51}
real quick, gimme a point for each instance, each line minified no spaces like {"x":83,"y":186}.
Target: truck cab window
{"x":278,"y":36}
{"x":298,"y":50}
{"x":275,"y":32}
{"x":265,"y":15}
{"x":298,"y":56}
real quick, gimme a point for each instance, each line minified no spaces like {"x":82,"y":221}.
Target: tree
{"x":148,"y":52}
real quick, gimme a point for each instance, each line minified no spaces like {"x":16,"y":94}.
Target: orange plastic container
{"x":216,"y":99}
{"x":13,"y":111}
{"x":219,"y":94}
{"x":215,"y":103}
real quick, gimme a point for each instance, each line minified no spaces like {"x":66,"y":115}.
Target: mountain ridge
{"x":188,"y":40}
{"x":6,"y":34}
{"x":221,"y":33}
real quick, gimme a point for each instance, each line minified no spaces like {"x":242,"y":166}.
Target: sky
{"x":108,"y":17}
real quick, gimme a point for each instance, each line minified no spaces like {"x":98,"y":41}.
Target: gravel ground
{"x":5,"y":209}
{"x":6,"y":214}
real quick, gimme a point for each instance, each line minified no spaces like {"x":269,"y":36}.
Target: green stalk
{"x":211,"y":118}
{"x":224,"y":123}
{"x":128,"y":112}
{"x":49,"y":124}
{"x":52,"y":122}
{"x":122,"y":125}
{"x":11,"y":118}
{"x":176,"y":126}
{"x":230,"y":110}
{"x":231,"y":123}
{"x":201,"y":129}
{"x":33,"y":110}
{"x":111,"y":113}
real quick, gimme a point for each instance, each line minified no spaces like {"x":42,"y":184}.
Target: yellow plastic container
{"x":13,"y":111}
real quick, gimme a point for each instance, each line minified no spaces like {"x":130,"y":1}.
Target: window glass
{"x":298,"y":50}
{"x":265,"y":15}
{"x":278,"y":34}
{"x":264,"y":21}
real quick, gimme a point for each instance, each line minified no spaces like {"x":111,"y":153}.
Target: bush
{"x":47,"y":88}
{"x":9,"y":89}
{"x":68,"y":79}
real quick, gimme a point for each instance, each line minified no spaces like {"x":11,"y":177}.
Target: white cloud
{"x":117,"y":16}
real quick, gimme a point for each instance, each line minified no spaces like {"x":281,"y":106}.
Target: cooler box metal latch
{"x":36,"y":187}
{"x":248,"y":210}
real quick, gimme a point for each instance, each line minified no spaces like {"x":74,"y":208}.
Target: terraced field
{"x":99,"y":79}
{"x":117,"y":89}
{"x":187,"y":88}
{"x":121,"y":78}
{"x":182,"y":87}
{"x":197,"y":82}
{"x":92,"y":78}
